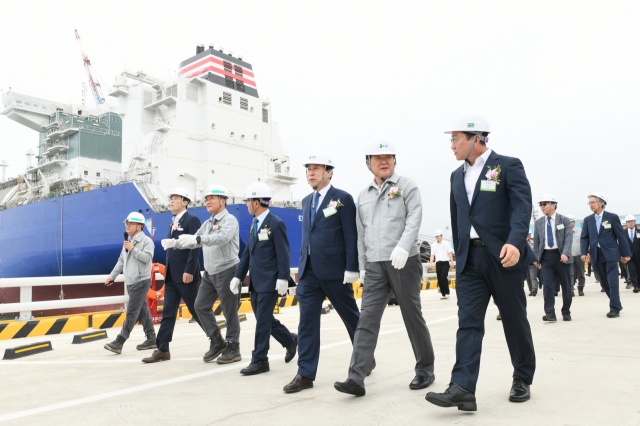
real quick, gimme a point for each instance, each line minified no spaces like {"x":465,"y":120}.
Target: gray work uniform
{"x":532,"y":274}
{"x":220,"y":242}
{"x":577,"y":272}
{"x":385,"y":222}
{"x":136,"y":266}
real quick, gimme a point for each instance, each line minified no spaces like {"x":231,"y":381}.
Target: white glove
{"x":362,"y":276}
{"x":168,"y":243}
{"x":282,"y":286}
{"x":188,"y":240}
{"x":398,"y":257}
{"x":350,"y":277}
{"x":235,"y":285}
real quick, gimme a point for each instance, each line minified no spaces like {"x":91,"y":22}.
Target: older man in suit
{"x":633,"y":238}
{"x":267,"y":256}
{"x":490,"y":214}
{"x":603,"y":243}
{"x":552,"y":244}
{"x":328,"y":264}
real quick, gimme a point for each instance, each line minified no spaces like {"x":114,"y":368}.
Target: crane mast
{"x":95,"y":86}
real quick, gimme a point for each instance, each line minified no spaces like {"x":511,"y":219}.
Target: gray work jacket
{"x":136,"y":264}
{"x":220,"y":247}
{"x":385,"y":222}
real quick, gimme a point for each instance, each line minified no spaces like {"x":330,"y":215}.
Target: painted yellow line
{"x":94,"y":335}
{"x":32,"y":348}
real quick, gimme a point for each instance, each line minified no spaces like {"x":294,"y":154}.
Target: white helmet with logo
{"x":258,"y":190}
{"x":184,"y":193}
{"x":598,"y":194}
{"x":380,"y":145}
{"x":548,"y":197}
{"x":216,"y":190}
{"x":469,"y":122}
{"x":318,"y":157}
{"x":629,"y":217}
{"x":135,"y":217}
{"x":571,"y":217}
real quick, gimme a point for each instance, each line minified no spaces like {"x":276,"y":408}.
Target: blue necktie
{"x":598,"y":220}
{"x":255,"y":227}
{"x":631,"y":235}
{"x":316,"y":198}
{"x":549,"y":233}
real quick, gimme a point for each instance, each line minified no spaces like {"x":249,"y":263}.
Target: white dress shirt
{"x":440,"y":251}
{"x":471,"y":176}
{"x":261,"y":217}
{"x":323,"y":193}
{"x":553,"y":229}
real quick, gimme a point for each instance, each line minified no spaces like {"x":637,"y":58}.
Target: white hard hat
{"x":572,"y":218}
{"x":318,"y":157}
{"x":135,"y":217}
{"x":380,"y":145}
{"x":470,"y":122}
{"x":258,"y":190}
{"x":548,"y":197}
{"x":629,"y":217}
{"x":437,"y":233}
{"x":184,"y":193}
{"x":598,"y":194}
{"x":216,"y":190}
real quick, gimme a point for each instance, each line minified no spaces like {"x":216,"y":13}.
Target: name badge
{"x":180,"y":229}
{"x":637,"y":234}
{"x":329,"y":211}
{"x":560,"y":227}
{"x":263,"y":236}
{"x":607,"y":226}
{"x":488,"y":185}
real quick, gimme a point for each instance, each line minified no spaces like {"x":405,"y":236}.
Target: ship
{"x":63,"y":216}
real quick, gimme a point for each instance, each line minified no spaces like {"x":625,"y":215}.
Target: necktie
{"x":255,"y":227}
{"x":549,"y":233}
{"x":631,"y":234}
{"x":598,"y":221}
{"x":313,"y":206}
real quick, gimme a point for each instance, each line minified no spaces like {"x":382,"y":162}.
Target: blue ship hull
{"x":82,"y":234}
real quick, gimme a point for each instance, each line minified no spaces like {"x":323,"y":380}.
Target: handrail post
{"x":25,"y":297}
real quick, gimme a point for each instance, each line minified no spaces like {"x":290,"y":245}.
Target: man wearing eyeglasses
{"x":552,"y":241}
{"x":633,"y":238}
{"x":603,"y":244}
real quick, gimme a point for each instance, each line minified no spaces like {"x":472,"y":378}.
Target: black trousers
{"x":173,"y":293}
{"x":634,"y":270}
{"x":442,"y":272}
{"x":554,"y":270}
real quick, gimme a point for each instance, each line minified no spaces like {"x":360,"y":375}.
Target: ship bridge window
{"x":113,"y":119}
{"x":277,"y":167}
{"x":97,"y":174}
{"x":227,"y":66}
{"x":244,"y":104}
{"x":238,"y":70}
{"x":226,"y":98}
{"x":265,"y":115}
{"x":86,"y":173}
{"x":228,"y":81}
{"x":240,"y":86}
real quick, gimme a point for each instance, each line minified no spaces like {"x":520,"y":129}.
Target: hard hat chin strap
{"x":323,"y":178}
{"x":471,"y":148}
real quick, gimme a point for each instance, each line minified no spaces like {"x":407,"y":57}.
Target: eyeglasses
{"x":544,"y":204}
{"x":591,"y":203}
{"x":175,"y":198}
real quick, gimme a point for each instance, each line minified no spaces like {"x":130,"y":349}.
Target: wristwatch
{"x":198,"y":239}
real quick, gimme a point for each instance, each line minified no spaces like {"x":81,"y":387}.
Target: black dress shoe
{"x":613,"y":314}
{"x":530,"y":293}
{"x":498,"y":317}
{"x":291,"y":349}
{"x":255,"y":368}
{"x":297,"y":384}
{"x":454,"y":396}
{"x":636,"y":290}
{"x":421,"y":381}
{"x":555,"y":293}
{"x":371,"y":367}
{"x":580,"y":291}
{"x":519,"y":390}
{"x":535,"y":293}
{"x":350,"y":387}
{"x":566,"y":317}
{"x":549,"y":316}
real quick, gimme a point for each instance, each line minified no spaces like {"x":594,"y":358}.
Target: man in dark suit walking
{"x":633,"y":238}
{"x":552,"y":243}
{"x":267,"y":257}
{"x":328,"y":264}
{"x":490,"y":214}
{"x":603,"y":242}
{"x":182,"y":277}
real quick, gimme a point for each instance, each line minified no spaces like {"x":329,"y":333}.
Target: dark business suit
{"x":178,"y":263}
{"x":634,"y":263}
{"x":329,"y":248}
{"x":500,"y":217}
{"x":268,"y":261}
{"x":605,"y":246}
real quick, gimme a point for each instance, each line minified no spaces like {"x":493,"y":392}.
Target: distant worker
{"x":218,"y":236}
{"x":578,"y":264}
{"x":490,"y":213}
{"x":633,"y":238}
{"x":135,"y":262}
{"x":388,"y":218}
{"x":328,"y":264}
{"x":532,"y":272}
{"x":267,"y":258}
{"x":603,"y":242}
{"x":441,"y":253}
{"x":552,"y":242}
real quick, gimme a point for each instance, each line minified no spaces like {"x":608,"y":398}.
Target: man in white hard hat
{"x":218,"y":236}
{"x":552,"y":243}
{"x":182,"y":277}
{"x":388,"y":219}
{"x":633,"y":238}
{"x":135,"y":261}
{"x":267,"y":258}
{"x":602,"y":243}
{"x":577,"y":272}
{"x":441,"y":253}
{"x":328,"y":264}
{"x":490,"y":213}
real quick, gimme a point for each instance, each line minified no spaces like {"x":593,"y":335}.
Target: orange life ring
{"x":157,"y":294}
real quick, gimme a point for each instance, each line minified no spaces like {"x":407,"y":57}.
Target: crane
{"x":95,"y":86}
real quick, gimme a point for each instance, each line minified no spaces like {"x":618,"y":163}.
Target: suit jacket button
{"x":470,"y":217}
{"x":311,"y":233}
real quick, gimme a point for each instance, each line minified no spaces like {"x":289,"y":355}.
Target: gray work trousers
{"x":380,"y":280}
{"x":213,"y":287}
{"x":532,"y":278}
{"x":137,"y":309}
{"x":577,"y":272}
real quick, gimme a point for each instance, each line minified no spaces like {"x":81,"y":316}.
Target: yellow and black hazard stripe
{"x":89,"y":337}
{"x":288,"y":300}
{"x":108,"y":320}
{"x":42,"y":327}
{"x":26,"y":350}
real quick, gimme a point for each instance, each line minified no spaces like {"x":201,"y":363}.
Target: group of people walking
{"x":374,"y":241}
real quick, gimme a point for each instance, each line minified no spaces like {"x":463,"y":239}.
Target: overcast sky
{"x":558,"y":80}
